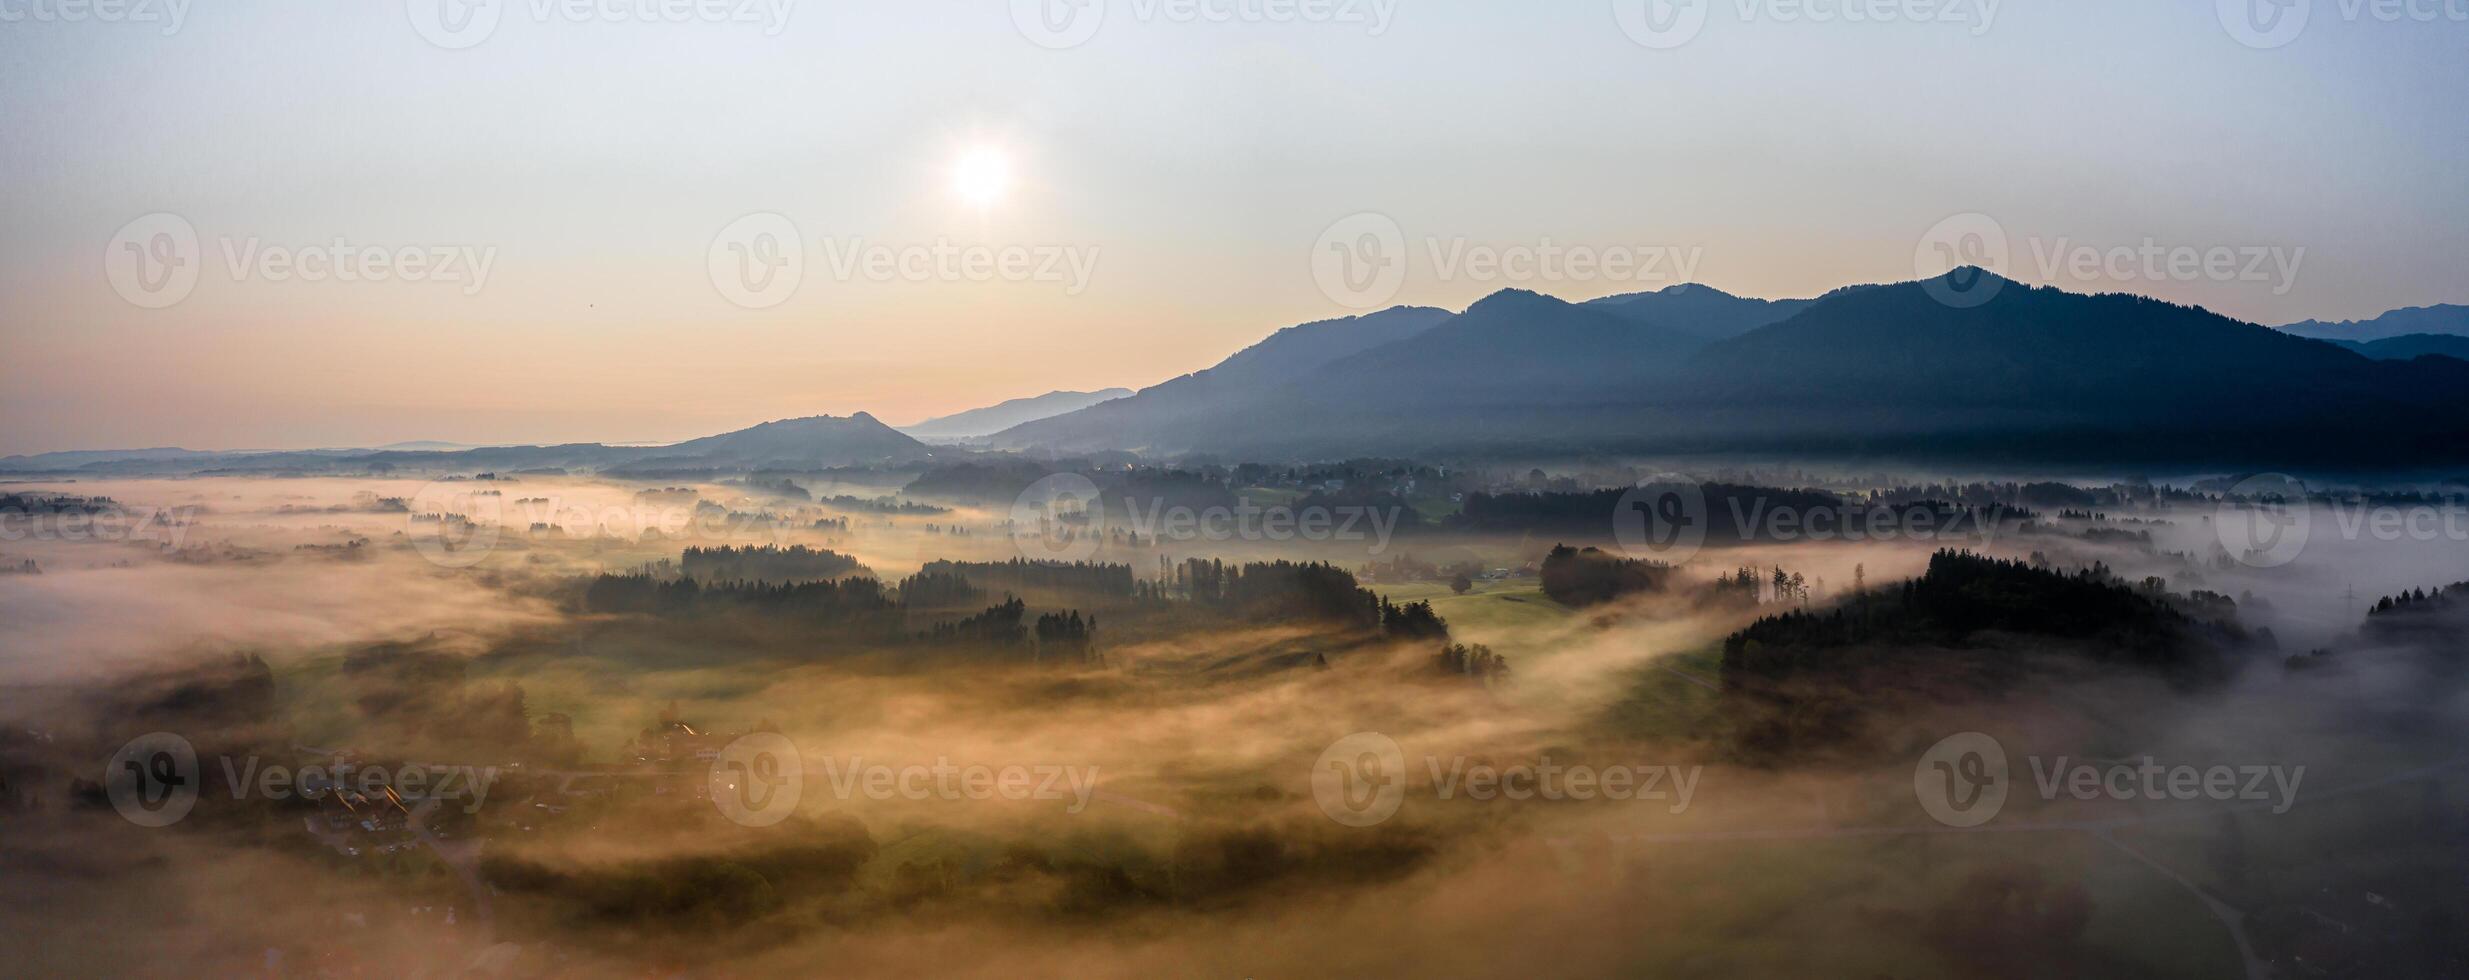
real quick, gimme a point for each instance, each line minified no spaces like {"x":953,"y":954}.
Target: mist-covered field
{"x":518,"y":727}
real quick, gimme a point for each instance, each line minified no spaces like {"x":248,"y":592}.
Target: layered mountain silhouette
{"x":2030,"y":376}
{"x":2442,"y":320}
{"x":1195,"y":400}
{"x":2033,"y":375}
{"x":2409,"y":346}
{"x":995,"y":418}
{"x":819,"y":442}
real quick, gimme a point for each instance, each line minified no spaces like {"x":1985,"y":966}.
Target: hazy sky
{"x":1190,"y":156}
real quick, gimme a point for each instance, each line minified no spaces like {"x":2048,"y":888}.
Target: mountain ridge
{"x":990,"y":419}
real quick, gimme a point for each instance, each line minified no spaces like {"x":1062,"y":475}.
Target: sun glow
{"x":982,"y":176}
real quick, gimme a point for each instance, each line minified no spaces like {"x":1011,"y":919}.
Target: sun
{"x":982,"y":176}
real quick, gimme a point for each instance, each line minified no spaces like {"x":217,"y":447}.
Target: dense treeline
{"x":767,"y":563}
{"x":939,"y":587}
{"x":882,"y":505}
{"x":843,"y":601}
{"x":1302,"y":590}
{"x":860,"y":611}
{"x":2421,"y":615}
{"x":1806,"y":679}
{"x":2420,"y":601}
{"x":1096,"y":579}
{"x":1961,"y":595}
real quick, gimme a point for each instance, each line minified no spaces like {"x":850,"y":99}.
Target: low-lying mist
{"x":1201,"y":793}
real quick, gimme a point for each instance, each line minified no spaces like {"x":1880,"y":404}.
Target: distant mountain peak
{"x":1967,"y":276}
{"x":1691,"y":289}
{"x":1514,"y":298}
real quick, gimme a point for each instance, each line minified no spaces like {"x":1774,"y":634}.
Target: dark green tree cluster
{"x":937,"y":588}
{"x":1585,"y":577}
{"x":1066,"y":636}
{"x":1412,"y":621}
{"x":999,"y":627}
{"x":1474,"y":662}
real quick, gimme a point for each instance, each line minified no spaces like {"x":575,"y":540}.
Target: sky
{"x":636,"y":220}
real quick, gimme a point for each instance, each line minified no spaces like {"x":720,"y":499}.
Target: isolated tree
{"x":1460,"y":583}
